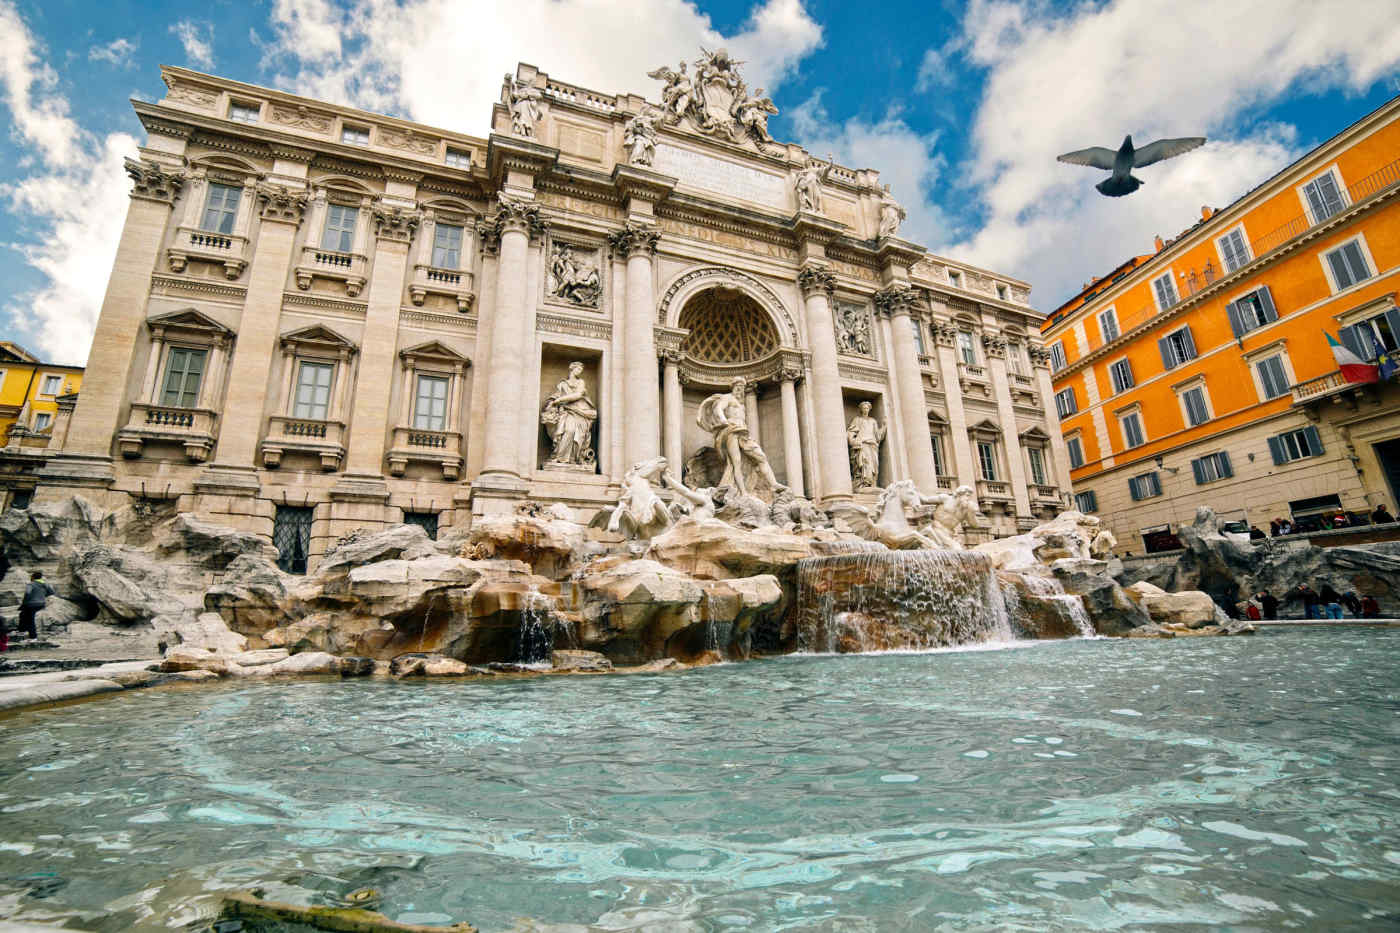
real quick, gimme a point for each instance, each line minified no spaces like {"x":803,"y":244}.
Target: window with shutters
{"x":313,"y":390}
{"x":430,"y":403}
{"x":1252,"y":311}
{"x":220,"y":208}
{"x":1057,"y":355}
{"x":1194,"y":407}
{"x":1065,"y":402}
{"x":1177,"y":347}
{"x":1120,"y":372}
{"x":1347,"y":265}
{"x":1273,"y":378}
{"x":1133,"y":435}
{"x":987,"y":460}
{"x":1144,"y":486}
{"x":1211,"y":467}
{"x":1075,"y":447}
{"x":1323,"y":196}
{"x":1234,"y":251}
{"x":1086,"y":501}
{"x":1108,"y":324}
{"x":1295,"y":445}
{"x":184,"y":370}
{"x":1381,"y":330}
{"x":447,"y":246}
{"x":339,"y":233}
{"x":1164,"y":287}
{"x":1037,"y":461}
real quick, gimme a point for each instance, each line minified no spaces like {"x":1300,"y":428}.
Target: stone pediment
{"x":14,"y":353}
{"x":1034,"y":433}
{"x":434,"y":350}
{"x":317,"y":335}
{"x":187,"y":319}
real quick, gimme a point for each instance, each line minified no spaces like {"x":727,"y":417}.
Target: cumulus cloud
{"x":118,"y":52}
{"x":73,"y":207}
{"x":1056,"y":83}
{"x":198,"y":41}
{"x":438,"y":61}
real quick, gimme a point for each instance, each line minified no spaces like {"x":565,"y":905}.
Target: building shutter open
{"x":1314,"y":440}
{"x":1190,"y":343}
{"x":1223,"y":462}
{"x":1237,"y":327}
{"x":1357,"y":339}
{"x":1276,"y":450}
{"x":1199,"y":469}
{"x":1266,"y":299}
{"x":1165,"y":347}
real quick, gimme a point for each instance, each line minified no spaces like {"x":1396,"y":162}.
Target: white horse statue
{"x":639,"y":512}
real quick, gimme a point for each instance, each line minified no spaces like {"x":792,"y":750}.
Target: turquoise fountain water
{"x":1102,"y":784}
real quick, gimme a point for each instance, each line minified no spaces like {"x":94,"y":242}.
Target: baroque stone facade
{"x":324,"y":319}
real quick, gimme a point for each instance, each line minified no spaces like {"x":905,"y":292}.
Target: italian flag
{"x":1353,"y":367}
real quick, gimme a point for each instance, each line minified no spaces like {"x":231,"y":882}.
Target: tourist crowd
{"x":1283,"y":526}
{"x":1325,"y":603}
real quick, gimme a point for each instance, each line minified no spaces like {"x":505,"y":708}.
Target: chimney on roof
{"x":1206,"y":212}
{"x":1159,"y":243}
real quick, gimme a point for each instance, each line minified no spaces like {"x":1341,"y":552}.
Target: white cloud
{"x":39,"y":117}
{"x":198,"y":40}
{"x":439,"y":61}
{"x":1054,"y":84}
{"x":118,"y":52}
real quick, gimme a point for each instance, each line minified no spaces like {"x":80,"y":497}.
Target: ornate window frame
{"x":350,"y":268}
{"x":428,"y":279}
{"x":412,"y":444}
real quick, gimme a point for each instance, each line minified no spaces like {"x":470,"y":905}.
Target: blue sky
{"x":962,"y":106}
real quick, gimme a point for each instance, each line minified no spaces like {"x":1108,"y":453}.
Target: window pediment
{"x":433,"y":351}
{"x":317,"y":337}
{"x":189,"y":322}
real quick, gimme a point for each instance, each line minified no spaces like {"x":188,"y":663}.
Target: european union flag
{"x":1385,"y":360}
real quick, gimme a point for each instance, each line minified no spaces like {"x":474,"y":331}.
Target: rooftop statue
{"x":639,"y":136}
{"x":523,"y":100}
{"x":892,"y":214}
{"x":807,"y":183}
{"x":716,"y":101}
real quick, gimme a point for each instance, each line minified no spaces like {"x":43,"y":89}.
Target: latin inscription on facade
{"x":722,"y":177}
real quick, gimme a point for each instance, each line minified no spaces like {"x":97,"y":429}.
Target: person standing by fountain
{"x":36,"y":596}
{"x":863,"y":436}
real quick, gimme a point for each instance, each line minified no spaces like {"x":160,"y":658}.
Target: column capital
{"x":813,"y":279}
{"x":1040,"y":357}
{"x":278,"y":202}
{"x":896,"y":299}
{"x":393,"y":222}
{"x":152,"y":181}
{"x":944,"y":333}
{"x":513,"y":214}
{"x":634,"y":238}
{"x":994,"y":345}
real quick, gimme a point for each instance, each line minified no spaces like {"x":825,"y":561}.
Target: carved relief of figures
{"x":717,"y":101}
{"x":723,"y":415}
{"x":853,"y":330}
{"x":892,"y":214}
{"x":568,"y":415}
{"x":573,"y":279}
{"x":807,"y":183}
{"x":523,"y":100}
{"x":863,"y":436}
{"x":753,"y":112}
{"x":639,"y":136}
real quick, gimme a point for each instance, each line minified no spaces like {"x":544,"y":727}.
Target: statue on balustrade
{"x":723,"y":415}
{"x":892,"y":214}
{"x":523,"y":99}
{"x":864,"y":435}
{"x":639,"y":136}
{"x":807,"y":183}
{"x":568,"y":416}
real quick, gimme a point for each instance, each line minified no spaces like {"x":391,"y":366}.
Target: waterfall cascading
{"x":536,"y":638}
{"x":1050,"y":591}
{"x":891,"y":600}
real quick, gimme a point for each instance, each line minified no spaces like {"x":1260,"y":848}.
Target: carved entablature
{"x":301,"y":117}
{"x":994,"y":345}
{"x":392,"y":222}
{"x":186,"y":93}
{"x":668,"y":343}
{"x":896,"y":299}
{"x":408,"y":141}
{"x":278,"y":202}
{"x":154,"y":182}
{"x":634,"y":238}
{"x":854,"y":334}
{"x":813,"y":279}
{"x":489,"y":235}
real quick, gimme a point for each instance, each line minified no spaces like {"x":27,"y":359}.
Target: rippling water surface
{"x":1242,"y":782}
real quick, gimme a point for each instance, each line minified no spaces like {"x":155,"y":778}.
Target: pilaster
{"x":641,"y":400}
{"x":994,"y":347}
{"x":945,"y":335}
{"x":817,"y":284}
{"x":1040,"y":359}
{"x":897,"y":304}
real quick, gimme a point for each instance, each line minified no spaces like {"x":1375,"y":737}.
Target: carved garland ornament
{"x":395,"y":223}
{"x":994,"y":344}
{"x":279,"y":202}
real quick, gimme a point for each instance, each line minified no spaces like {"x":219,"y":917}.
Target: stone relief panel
{"x":574,"y":276}
{"x":855,"y":334}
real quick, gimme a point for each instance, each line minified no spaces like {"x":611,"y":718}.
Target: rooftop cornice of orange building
{"x":1230,"y":215}
{"x":1122,"y":268}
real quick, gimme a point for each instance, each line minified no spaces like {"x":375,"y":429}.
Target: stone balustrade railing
{"x":418,"y":445}
{"x":226,"y":249}
{"x":349,"y":268}
{"x":322,"y":439}
{"x":457,"y":284}
{"x":192,"y":428}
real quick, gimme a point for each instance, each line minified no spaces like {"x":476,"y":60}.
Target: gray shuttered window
{"x":1348,"y":265}
{"x":1361,"y":338}
{"x":1086,"y":501}
{"x":1324,"y":197}
{"x":1177,"y":348}
{"x":1121,"y":373}
{"x":1194,"y":400}
{"x":1272,"y":376}
{"x":1144,"y":487}
{"x":1065,"y":402}
{"x":1076,"y":452}
{"x":1212,"y":467}
{"x":1233,"y":250}
{"x":183,"y":374}
{"x":1252,"y":311}
{"x":1295,"y":445}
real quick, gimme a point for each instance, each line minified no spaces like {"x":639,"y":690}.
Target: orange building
{"x":1200,"y":374}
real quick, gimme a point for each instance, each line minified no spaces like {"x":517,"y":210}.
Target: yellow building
{"x":36,"y":399}
{"x":1201,"y":374}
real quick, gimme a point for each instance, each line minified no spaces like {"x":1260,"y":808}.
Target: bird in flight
{"x":1122,"y":162}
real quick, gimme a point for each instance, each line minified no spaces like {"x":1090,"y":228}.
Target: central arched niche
{"x":727,"y":326}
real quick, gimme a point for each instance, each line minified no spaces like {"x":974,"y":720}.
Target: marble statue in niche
{"x":568,"y":416}
{"x":523,"y":100}
{"x":807,"y":183}
{"x":573,"y":279}
{"x":864,"y":435}
{"x":853,"y":331}
{"x":639,"y":136}
{"x":892,"y":214}
{"x":724,"y":416}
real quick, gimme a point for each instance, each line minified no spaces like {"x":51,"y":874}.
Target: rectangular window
{"x":1057,"y":355}
{"x":1177,"y":347}
{"x":1133,"y":435}
{"x":1324,"y":197}
{"x":458,"y":158}
{"x":918,"y":336}
{"x":1121,"y":374}
{"x":966,"y":350}
{"x":1076,"y":452}
{"x":354,"y":135}
{"x":937,"y":440}
{"x":447,"y":246}
{"x":1037,"y":465}
{"x":1016,"y":359}
{"x":313,"y":398}
{"x":42,"y":420}
{"x":1233,"y":252}
{"x":1252,"y":311}
{"x":244,"y":113}
{"x":1295,"y":445}
{"x":1108,"y":324}
{"x":339,"y":234}
{"x":220,"y":208}
{"x":1272,"y":377}
{"x":955,"y":278}
{"x":1165,"y":290}
{"x":1001,"y":291}
{"x":1065,"y":402}
{"x":291,"y":535}
{"x":1145,"y":486}
{"x":428,"y":521}
{"x":1348,"y":264}
{"x":1194,"y":401}
{"x":183,"y":373}
{"x":51,"y":385}
{"x":430,"y":403}
{"x":1382,"y":331}
{"x":987,"y":459}
{"x":1212,"y":467}
{"x":1086,"y":501}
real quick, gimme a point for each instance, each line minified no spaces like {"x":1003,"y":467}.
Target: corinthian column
{"x":792,"y":436}
{"x":897,"y":302}
{"x":641,"y":398}
{"x":817,"y":284}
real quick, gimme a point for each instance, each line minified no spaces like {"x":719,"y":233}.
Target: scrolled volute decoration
{"x":154,"y":182}
{"x":994,"y":345}
{"x":944,"y":333}
{"x":634,"y":238}
{"x":518,"y":215}
{"x":392,"y":222}
{"x":896,"y":299}
{"x":278,"y":202}
{"x":813,"y":279}
{"x":1040,"y":357}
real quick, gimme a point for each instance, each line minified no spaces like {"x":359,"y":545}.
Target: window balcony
{"x":1042,"y":493}
{"x":194,"y":428}
{"x":324,"y":439}
{"x":226,"y":249}
{"x":947,"y":482}
{"x":989,"y":490}
{"x":455,"y":283}
{"x":418,"y":445}
{"x":349,"y":268}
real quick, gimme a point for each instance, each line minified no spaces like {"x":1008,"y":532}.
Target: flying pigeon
{"x":1122,"y":162}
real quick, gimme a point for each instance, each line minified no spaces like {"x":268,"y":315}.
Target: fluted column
{"x":485,"y":333}
{"x":817,"y":285}
{"x":673,"y":409}
{"x":641,"y":415}
{"x":898,"y":303}
{"x":792,"y":436}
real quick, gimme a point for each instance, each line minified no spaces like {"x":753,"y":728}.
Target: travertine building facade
{"x":321,"y":319}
